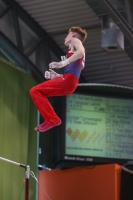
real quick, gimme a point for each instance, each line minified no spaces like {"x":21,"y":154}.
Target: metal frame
{"x":44,"y":38}
{"x":34,"y":47}
{"x":100,"y":12}
{"x":129,"y":12}
{"x":17,"y":29}
{"x":118,"y":19}
{"x":35,"y":27}
{"x":5,"y":10}
{"x":19,"y":56}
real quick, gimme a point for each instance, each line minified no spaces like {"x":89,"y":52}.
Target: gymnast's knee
{"x":32,"y":91}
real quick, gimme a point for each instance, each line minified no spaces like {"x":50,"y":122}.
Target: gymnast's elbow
{"x":81,"y":53}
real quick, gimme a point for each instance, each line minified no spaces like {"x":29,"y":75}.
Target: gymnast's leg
{"x":55,"y":87}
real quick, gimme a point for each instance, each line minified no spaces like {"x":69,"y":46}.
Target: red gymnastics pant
{"x":60,"y":86}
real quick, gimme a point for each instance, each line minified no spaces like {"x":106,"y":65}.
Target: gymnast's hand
{"x":51,"y":74}
{"x":61,"y":64}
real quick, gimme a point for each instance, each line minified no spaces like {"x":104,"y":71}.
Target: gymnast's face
{"x":69,"y":38}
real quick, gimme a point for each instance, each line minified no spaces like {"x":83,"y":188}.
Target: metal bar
{"x":47,"y":53}
{"x":129,"y":12}
{"x":20,"y":57}
{"x":37,"y":58}
{"x":118,"y":19}
{"x":17,"y":29}
{"x":96,"y":7}
{"x":33,"y":47}
{"x":12,"y":162}
{"x":128,"y":48}
{"x":27,"y":176}
{"x":27,"y":189}
{"x":5,"y":10}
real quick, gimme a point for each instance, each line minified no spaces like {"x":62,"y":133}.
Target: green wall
{"x":18,"y":140}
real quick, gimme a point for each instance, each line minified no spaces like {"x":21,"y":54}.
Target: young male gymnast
{"x":60,"y":84}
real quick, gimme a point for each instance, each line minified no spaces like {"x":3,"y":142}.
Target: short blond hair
{"x":81,"y":34}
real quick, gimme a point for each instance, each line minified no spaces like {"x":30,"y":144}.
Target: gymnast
{"x":60,"y":84}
